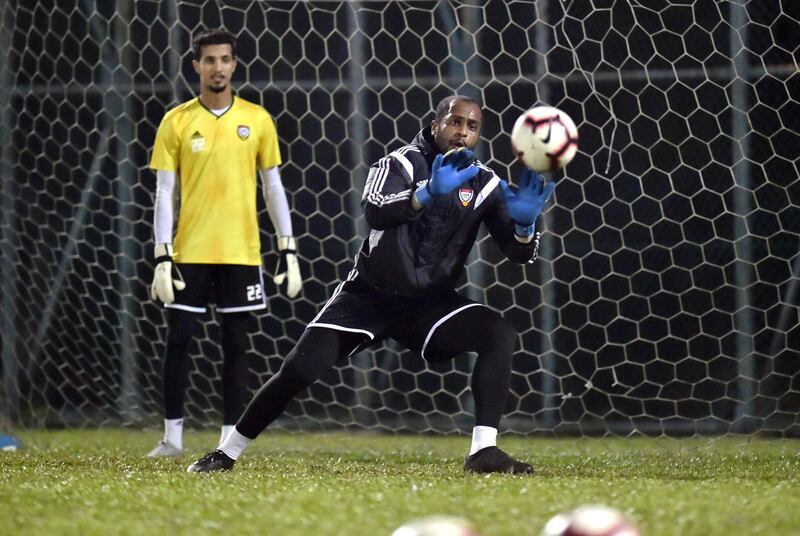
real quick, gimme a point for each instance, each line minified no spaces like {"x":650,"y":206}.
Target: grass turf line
{"x":99,"y":482}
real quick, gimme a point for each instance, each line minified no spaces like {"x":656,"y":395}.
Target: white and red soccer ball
{"x":437,"y":526}
{"x":544,"y":138}
{"x":593,"y":520}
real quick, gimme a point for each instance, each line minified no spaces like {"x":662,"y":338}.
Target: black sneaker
{"x":212,"y":462}
{"x":494,"y":460}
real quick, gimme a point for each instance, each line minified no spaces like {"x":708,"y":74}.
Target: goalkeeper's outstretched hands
{"x":163,"y":282}
{"x":449,"y":171}
{"x":288,"y":268}
{"x":525,"y":205}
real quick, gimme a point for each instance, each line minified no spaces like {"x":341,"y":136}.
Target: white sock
{"x":173,"y":432}
{"x":482,"y":437}
{"x":234,"y":444}
{"x":226,"y":429}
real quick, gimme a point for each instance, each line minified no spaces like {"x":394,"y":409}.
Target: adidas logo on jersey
{"x":198,"y":142}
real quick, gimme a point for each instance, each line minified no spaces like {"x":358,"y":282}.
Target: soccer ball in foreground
{"x":437,"y":526}
{"x":593,"y":520}
{"x":544,"y":138}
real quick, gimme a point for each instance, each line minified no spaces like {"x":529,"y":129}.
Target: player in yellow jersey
{"x":209,"y":150}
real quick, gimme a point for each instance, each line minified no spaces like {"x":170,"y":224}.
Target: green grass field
{"x":99,"y":482}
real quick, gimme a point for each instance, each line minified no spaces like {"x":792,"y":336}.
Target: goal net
{"x":665,"y":300}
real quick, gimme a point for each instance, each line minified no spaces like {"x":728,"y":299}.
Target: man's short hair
{"x":444,"y":105}
{"x":214,"y":36}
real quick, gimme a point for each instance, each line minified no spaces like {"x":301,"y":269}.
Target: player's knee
{"x":180,"y":333}
{"x":234,"y":334}
{"x":178,"y":345}
{"x":500,"y":333}
{"x":235,"y":350}
{"x":298,"y":373}
{"x":315,"y":352}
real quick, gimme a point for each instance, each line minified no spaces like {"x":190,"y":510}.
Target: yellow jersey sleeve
{"x":269,"y":154}
{"x":166,"y":150}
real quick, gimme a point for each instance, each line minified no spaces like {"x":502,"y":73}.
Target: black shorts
{"x":357,"y":308}
{"x":232,"y":287}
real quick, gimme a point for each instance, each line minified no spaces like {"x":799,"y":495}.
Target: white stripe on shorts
{"x":441,"y":321}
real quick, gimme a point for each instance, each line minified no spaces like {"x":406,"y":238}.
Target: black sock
{"x":180,"y":332}
{"x":234,"y":365}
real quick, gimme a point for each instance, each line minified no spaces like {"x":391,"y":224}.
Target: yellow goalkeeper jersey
{"x":215,"y":159}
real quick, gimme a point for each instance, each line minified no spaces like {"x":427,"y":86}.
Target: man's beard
{"x":218,"y":89}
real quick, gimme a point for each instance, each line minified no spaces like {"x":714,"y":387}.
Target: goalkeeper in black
{"x":424,"y":203}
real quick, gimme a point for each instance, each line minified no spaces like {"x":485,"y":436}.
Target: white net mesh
{"x":666,"y":297}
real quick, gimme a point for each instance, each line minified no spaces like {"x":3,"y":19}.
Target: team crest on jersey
{"x":465,"y":195}
{"x":243,"y":131}
{"x":198,"y":142}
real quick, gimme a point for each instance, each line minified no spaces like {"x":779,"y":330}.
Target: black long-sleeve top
{"x":422,"y":253}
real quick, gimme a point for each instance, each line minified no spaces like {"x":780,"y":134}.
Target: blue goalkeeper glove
{"x":527,"y":203}
{"x":449,"y":171}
